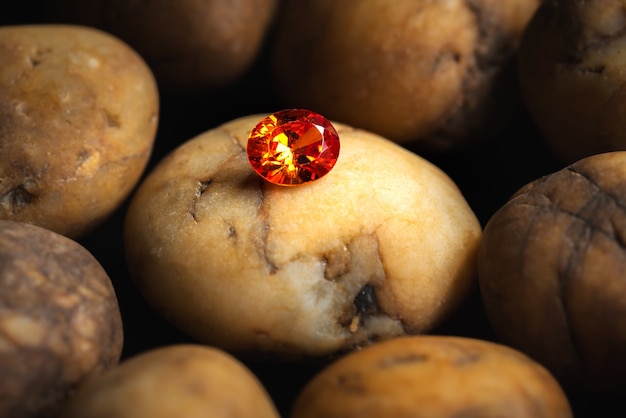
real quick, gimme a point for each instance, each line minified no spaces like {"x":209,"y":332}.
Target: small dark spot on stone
{"x":303,"y":159}
{"x":444,"y":58}
{"x":36,"y":58}
{"x":365,"y":301}
{"x":17,"y":198}
{"x":204,"y":184}
{"x":406,"y":359}
{"x":83,"y":156}
{"x":352,"y":382}
{"x":34,"y":61}
{"x":112,"y":121}
{"x":232,"y":232}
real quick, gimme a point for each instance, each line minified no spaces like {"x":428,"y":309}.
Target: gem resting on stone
{"x":292,"y":147}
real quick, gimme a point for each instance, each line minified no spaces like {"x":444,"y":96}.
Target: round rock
{"x":383,"y":245}
{"x":78,"y":117}
{"x":59,"y":319}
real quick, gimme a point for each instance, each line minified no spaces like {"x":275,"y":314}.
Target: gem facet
{"x":292,"y":147}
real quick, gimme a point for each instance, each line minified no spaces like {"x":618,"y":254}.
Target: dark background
{"x":487,"y":174}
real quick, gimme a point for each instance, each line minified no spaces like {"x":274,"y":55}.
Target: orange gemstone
{"x":293,"y":147}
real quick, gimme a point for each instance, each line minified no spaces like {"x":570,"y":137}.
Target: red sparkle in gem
{"x":293,"y":147}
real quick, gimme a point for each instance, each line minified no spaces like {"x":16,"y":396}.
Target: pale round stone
{"x":384,"y":245}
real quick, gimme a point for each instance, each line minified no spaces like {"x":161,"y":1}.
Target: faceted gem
{"x":293,"y":147}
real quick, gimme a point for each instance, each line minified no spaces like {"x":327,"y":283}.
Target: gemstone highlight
{"x":292,"y":147}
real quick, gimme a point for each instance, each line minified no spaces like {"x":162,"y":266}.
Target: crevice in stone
{"x":111,"y":120}
{"x":201,"y":188}
{"x":265,"y":230}
{"x":35,"y":59}
{"x":16,"y":198}
{"x":365,"y":301}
